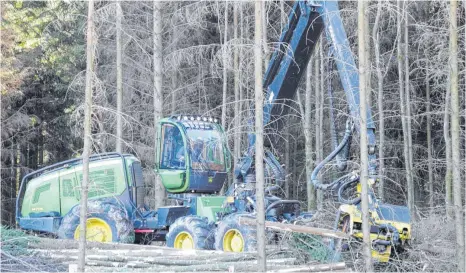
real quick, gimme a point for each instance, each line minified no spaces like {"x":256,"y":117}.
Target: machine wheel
{"x":191,"y":232}
{"x":233,"y":237}
{"x":106,"y":222}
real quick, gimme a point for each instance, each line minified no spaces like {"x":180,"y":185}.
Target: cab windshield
{"x":206,"y":149}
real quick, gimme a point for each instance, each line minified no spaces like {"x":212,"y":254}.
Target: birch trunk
{"x":264,"y":34}
{"x":318,"y":105}
{"x":321,"y":86}
{"x":311,"y":192}
{"x":287,"y":160}
{"x":237,"y":130}
{"x":411,"y":193}
{"x":363,"y":88}
{"x":376,"y":37}
{"x":448,"y":157}
{"x":158,"y":99}
{"x":259,"y":129}
{"x":403,"y":108}
{"x":90,"y":46}
{"x":455,"y":137}
{"x":119,"y":129}
{"x":429,"y":146}
{"x":225,"y":75}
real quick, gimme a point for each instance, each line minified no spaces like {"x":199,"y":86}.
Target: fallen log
{"x":312,"y":268}
{"x":296,"y":228}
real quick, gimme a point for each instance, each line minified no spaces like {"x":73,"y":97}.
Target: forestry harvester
{"x":193,"y":162}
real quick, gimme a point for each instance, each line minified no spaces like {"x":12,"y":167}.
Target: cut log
{"x":312,"y":268}
{"x":296,"y":228}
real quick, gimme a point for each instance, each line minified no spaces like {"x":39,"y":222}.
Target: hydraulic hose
{"x":315,"y":172}
{"x":342,"y":157}
{"x":343,"y":187}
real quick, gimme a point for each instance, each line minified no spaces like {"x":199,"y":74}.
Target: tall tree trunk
{"x":287,"y":159}
{"x":364,"y":88}
{"x":264,"y":34}
{"x":321,"y":86}
{"x":318,"y":126}
{"x":174,"y":81}
{"x":1,"y":86}
{"x":448,"y":157}
{"x":319,"y":110}
{"x":429,"y":145}
{"x":259,"y":129}
{"x":411,"y":188}
{"x":18,"y":168}
{"x":87,"y":134}
{"x":376,"y":37}
{"x":403,"y":107}
{"x":119,"y":129}
{"x":295,"y":171}
{"x":282,"y":15}
{"x":455,"y":137}
{"x":237,"y":129}
{"x":225,"y":75}
{"x":311,"y":192}
{"x":158,"y":93}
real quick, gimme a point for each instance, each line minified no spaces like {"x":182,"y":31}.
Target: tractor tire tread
{"x":197,"y":226}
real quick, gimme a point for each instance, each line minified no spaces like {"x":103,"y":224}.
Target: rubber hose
{"x":315,"y":172}
{"x":343,"y":187}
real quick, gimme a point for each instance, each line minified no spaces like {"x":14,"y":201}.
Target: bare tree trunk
{"x":18,"y":169}
{"x":363,"y":88}
{"x":264,"y":34}
{"x":411,"y":188}
{"x":455,"y":137}
{"x":237,"y":130}
{"x":448,"y":156}
{"x":158,"y":93}
{"x":429,"y":145}
{"x":90,"y":46}
{"x":311,"y":192}
{"x":318,"y":100}
{"x":319,"y":110}
{"x":321,"y":86}
{"x":1,"y":87}
{"x":296,"y":176}
{"x":225,"y":75}
{"x":376,"y":37}
{"x":119,"y":129}
{"x":403,"y":107}
{"x":287,"y":160}
{"x":174,"y":81}
{"x":240,"y":75}
{"x":259,"y":129}
{"x":282,"y":15}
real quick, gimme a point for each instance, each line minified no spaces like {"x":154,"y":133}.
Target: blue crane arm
{"x":348,"y":71}
{"x":306,"y":22}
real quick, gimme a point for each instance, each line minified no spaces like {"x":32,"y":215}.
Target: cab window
{"x":173,"y":150}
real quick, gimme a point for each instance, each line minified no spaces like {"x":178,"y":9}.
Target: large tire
{"x":103,"y":212}
{"x":195,"y":231}
{"x":244,"y":235}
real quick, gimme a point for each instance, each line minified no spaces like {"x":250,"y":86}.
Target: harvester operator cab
{"x":192,"y":154}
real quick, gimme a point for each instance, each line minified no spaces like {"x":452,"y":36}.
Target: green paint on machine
{"x":208,"y":206}
{"x":58,"y":191}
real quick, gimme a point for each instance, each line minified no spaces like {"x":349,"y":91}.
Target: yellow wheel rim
{"x":184,"y":240}
{"x":97,"y":230}
{"x":233,"y":241}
